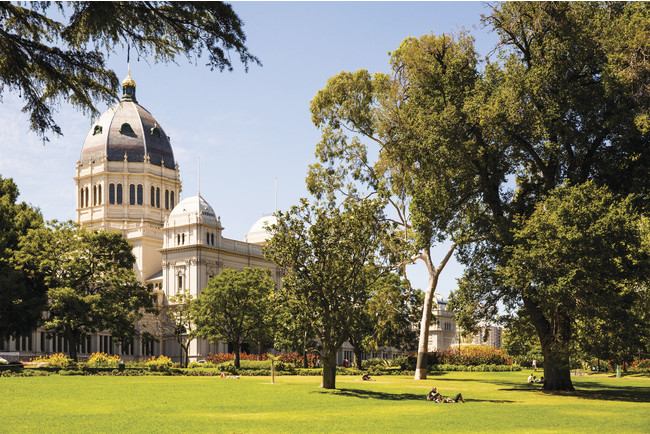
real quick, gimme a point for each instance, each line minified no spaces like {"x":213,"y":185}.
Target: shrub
{"x":58,"y":359}
{"x":642,"y":365}
{"x":228,"y":367}
{"x":160,"y":364}
{"x":375,"y":363}
{"x":102,"y":360}
{"x":473,"y":355}
{"x":405,"y":362}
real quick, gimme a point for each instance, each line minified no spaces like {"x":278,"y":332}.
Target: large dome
{"x":128,"y":129}
{"x":259,"y":233}
{"x":193,"y":209}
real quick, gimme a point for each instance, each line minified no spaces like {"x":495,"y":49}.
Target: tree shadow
{"x":371,"y":394}
{"x":384,"y":396}
{"x":585,"y":390}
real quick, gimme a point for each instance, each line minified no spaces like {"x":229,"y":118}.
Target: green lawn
{"x":495,"y":402}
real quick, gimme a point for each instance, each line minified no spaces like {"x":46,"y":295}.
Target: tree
{"x":294,"y":330}
{"x":387,"y":318}
{"x":89,"y":278}
{"x":234,"y":307}
{"x":420,"y":213}
{"x":565,"y":102}
{"x":180,"y":319}
{"x":324,"y":251}
{"x":21,"y":299}
{"x":47,"y":61}
{"x":582,"y":258}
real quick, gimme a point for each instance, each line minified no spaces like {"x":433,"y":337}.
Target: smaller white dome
{"x":192,"y":210}
{"x":441,"y":301}
{"x":259,"y":232}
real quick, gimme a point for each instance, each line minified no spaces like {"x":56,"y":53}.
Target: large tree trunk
{"x":423,"y":344}
{"x":72,"y":343}
{"x":304,"y":359}
{"x":329,"y":370}
{"x":555,"y":341}
{"x":357,"y":356}
{"x":236,"y":346}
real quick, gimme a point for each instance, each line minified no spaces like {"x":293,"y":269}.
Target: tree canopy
{"x":478,"y":145}
{"x":46,"y":60}
{"x":324,"y":252}
{"x":234,"y":307}
{"x":90,"y":282}
{"x":21,"y":299}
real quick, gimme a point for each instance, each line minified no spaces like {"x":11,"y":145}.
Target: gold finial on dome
{"x":128,"y":81}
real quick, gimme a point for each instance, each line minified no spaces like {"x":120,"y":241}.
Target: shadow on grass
{"x":370,"y":394}
{"x":587,"y":390}
{"x":384,"y":396}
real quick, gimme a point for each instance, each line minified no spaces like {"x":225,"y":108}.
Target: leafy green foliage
{"x":89,"y":278}
{"x":387,"y":318}
{"x":234,"y":307}
{"x":47,"y":61}
{"x":324,"y":253}
{"x":21,"y":299}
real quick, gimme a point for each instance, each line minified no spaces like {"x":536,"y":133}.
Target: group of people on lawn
{"x":435,"y":396}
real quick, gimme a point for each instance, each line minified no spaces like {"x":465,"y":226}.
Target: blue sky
{"x":247,"y":128}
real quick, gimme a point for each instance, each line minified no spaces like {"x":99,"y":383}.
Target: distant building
{"x":444,"y":332}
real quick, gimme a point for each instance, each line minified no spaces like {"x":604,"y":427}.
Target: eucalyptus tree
{"x":90,"y":282}
{"x":325,"y":252}
{"x":47,"y":60}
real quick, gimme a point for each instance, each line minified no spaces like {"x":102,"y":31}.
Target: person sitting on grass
{"x":433,"y":395}
{"x":531,"y":378}
{"x":366,"y":377}
{"x":539,"y":380}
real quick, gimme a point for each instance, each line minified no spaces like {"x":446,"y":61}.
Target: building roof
{"x":128,"y":130}
{"x":259,"y":233}
{"x":192,"y":210}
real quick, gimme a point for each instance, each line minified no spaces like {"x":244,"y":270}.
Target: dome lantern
{"x":128,"y":88}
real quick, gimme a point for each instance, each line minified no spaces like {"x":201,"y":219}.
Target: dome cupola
{"x":259,"y":233}
{"x":128,"y":132}
{"x":192,"y":210}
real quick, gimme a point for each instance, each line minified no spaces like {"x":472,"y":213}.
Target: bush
{"x":52,"y":360}
{"x":160,"y":364}
{"x":375,"y":363}
{"x":405,"y":362}
{"x":228,"y":367}
{"x":102,"y":360}
{"x":474,"y":355}
{"x":642,"y":365}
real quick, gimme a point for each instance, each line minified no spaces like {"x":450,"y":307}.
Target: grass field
{"x":495,"y":402}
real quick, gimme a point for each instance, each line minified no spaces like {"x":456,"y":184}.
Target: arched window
{"x":180,"y":282}
{"x":132,"y":194}
{"x":126,"y":129}
{"x":111,"y":194}
{"x":183,"y":238}
{"x":171,"y":199}
{"x":207,"y":238}
{"x":81,"y":198}
{"x":157,"y":197}
{"x":119,"y":194}
{"x":153,"y":196}
{"x":178,"y":239}
{"x":212,"y":237}
{"x":99,"y":194}
{"x":87,"y":197}
{"x":97,"y":130}
{"x":139,"y":194}
{"x":94,"y":195}
{"x":166,"y":199}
